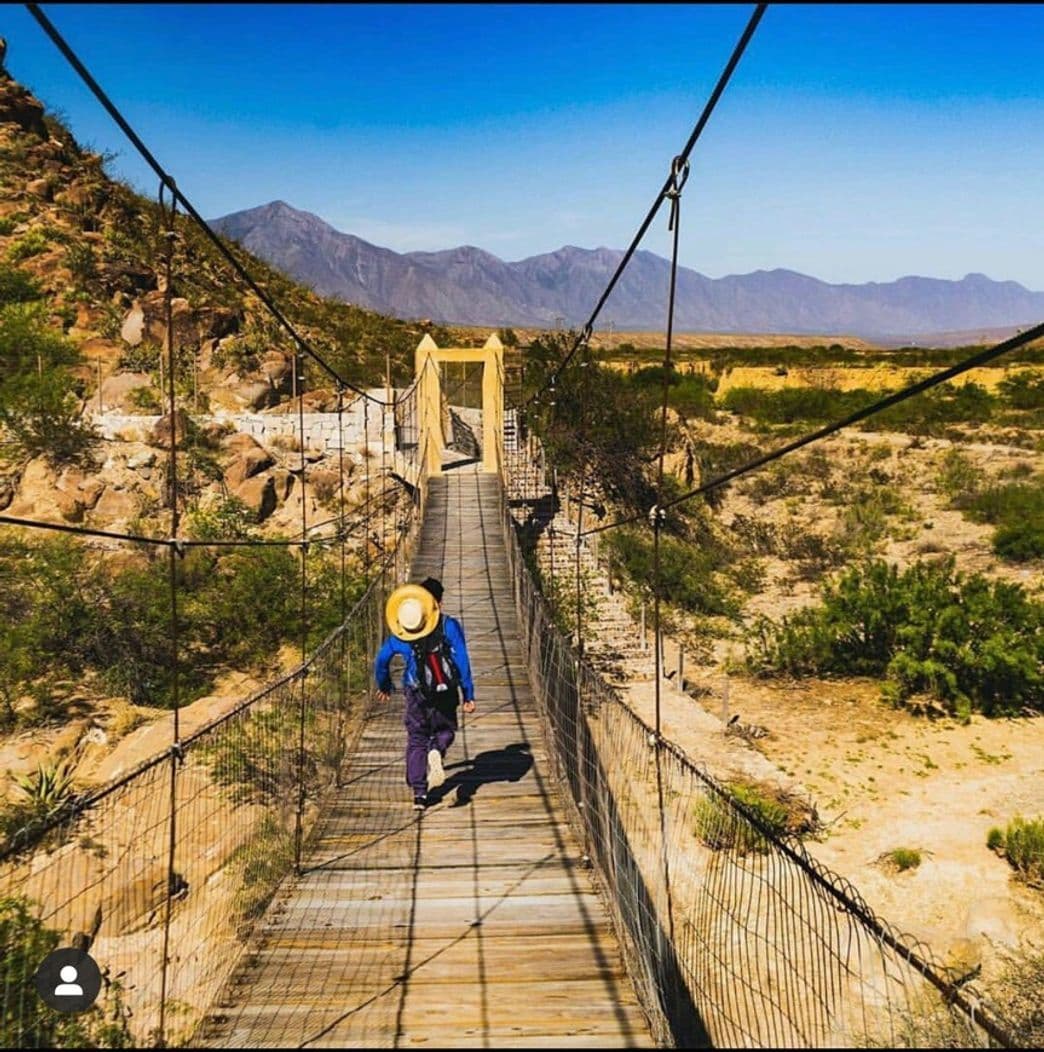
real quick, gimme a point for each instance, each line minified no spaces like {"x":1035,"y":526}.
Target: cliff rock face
{"x":468,"y":286}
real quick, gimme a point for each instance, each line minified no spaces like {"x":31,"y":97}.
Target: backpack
{"x":437,"y":674}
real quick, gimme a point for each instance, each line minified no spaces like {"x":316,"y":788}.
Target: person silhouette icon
{"x":68,"y":987}
{"x":68,"y":980}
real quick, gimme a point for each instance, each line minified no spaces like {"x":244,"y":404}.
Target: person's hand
{"x":381,"y":696}
{"x":469,"y":706}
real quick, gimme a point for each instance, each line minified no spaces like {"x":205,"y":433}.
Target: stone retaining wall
{"x":359,"y":426}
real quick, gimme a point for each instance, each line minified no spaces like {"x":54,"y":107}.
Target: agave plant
{"x":49,"y":787}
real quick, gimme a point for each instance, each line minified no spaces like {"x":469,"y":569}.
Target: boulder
{"x":275,"y":366}
{"x":89,"y":491}
{"x":99,"y":350}
{"x":284,"y":484}
{"x":17,"y":106}
{"x":39,"y":188}
{"x":160,"y":435}
{"x":240,"y":442}
{"x":223,"y":398}
{"x":115,"y":506}
{"x":116,"y":390}
{"x":216,"y":323}
{"x":254,"y":395}
{"x":259,"y":495}
{"x":78,"y":196}
{"x":133,"y":329}
{"x":145,"y":459}
{"x":247,"y":464}
{"x":71,"y":507}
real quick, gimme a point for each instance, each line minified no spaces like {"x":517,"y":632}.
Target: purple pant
{"x":427,"y":727}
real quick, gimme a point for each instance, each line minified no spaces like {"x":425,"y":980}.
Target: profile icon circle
{"x":68,"y":980}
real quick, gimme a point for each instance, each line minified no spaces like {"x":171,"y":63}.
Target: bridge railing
{"x":734,"y":936}
{"x":163,"y":872}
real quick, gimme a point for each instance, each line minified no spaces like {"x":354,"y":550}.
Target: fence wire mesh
{"x":733,"y":936}
{"x":230,"y":803}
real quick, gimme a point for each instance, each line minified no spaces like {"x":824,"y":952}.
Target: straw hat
{"x":412,"y":612}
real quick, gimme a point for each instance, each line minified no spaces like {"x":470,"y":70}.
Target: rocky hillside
{"x":84,"y":439}
{"x":468,"y":286}
{"x":82,"y":288}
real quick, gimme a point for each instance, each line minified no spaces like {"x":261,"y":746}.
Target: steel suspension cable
{"x":719,"y":88}
{"x":99,"y":93}
{"x":975,"y":361}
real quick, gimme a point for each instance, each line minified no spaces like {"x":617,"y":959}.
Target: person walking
{"x":436,"y":670}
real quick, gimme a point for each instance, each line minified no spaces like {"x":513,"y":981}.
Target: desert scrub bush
{"x":959,"y":478}
{"x":62,"y":614}
{"x":969,"y":642}
{"x":690,"y":395}
{"x":16,"y":286}
{"x":1022,"y":844}
{"x":1016,"y":509}
{"x":30,"y":244}
{"x":690,"y":573}
{"x":39,"y":410}
{"x":902,"y":858}
{"x":723,"y":827}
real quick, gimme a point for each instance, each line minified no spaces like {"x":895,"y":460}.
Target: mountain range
{"x":468,"y":286}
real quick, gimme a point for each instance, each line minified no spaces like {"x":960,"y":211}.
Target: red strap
{"x":436,"y":668}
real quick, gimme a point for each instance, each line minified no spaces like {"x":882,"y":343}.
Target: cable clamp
{"x":177,"y":751}
{"x":657,"y":516}
{"x":677,"y":179}
{"x":179,"y":546}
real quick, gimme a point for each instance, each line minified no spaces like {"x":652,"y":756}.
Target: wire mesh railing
{"x":162,"y":873}
{"x":733,"y":934}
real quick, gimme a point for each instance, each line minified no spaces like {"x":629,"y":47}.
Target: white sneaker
{"x":436,"y":775}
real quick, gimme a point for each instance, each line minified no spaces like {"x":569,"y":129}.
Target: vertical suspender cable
{"x":342,"y":692}
{"x":299,"y":821}
{"x":679,"y":174}
{"x":168,"y":216}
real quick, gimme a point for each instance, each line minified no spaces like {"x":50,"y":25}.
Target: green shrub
{"x":689,"y":572}
{"x":930,"y":413}
{"x":723,"y":827}
{"x":1023,"y":846}
{"x":965,"y":640}
{"x":39,"y":410}
{"x":995,"y":839}
{"x":1017,"y":510}
{"x":31,"y":243}
{"x":61,"y":615}
{"x":16,"y":286}
{"x":959,"y":478}
{"x":1023,"y":391}
{"x":904,"y":858}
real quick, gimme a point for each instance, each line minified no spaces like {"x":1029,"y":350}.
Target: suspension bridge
{"x":264,"y":882}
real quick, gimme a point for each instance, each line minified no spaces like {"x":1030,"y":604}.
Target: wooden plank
{"x":467,"y":926}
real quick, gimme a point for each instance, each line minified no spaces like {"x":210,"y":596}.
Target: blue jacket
{"x":454,"y":634}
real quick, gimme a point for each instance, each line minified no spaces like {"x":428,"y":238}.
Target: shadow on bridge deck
{"x":473,"y":926}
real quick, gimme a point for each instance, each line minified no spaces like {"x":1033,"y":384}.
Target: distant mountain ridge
{"x":466,"y":285}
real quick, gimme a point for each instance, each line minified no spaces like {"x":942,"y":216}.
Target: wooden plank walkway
{"x":472,"y":926}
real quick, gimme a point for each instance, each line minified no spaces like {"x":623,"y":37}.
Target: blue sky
{"x":856,"y":143}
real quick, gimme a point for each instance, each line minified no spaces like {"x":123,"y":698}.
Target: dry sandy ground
{"x":882,"y":778}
